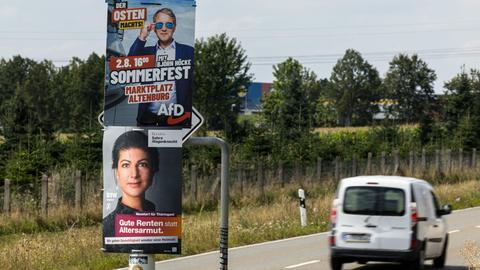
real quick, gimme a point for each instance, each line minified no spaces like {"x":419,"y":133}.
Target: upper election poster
{"x":142,"y":199}
{"x":149,"y":64}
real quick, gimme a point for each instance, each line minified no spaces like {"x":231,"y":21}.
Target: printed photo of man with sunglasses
{"x":166,"y":51}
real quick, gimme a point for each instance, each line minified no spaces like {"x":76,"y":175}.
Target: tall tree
{"x":289,"y":109}
{"x":354,"y":89}
{"x":13,"y":72}
{"x":462,"y":110}
{"x":85,"y":90}
{"x":459,"y":96}
{"x":28,"y":112}
{"x":409,"y":81}
{"x":221,"y":70}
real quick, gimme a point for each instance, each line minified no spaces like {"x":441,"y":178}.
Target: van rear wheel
{"x":419,"y":263}
{"x":336,"y":263}
{"x":440,"y":261}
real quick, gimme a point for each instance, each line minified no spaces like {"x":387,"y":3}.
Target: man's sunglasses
{"x":159,"y":25}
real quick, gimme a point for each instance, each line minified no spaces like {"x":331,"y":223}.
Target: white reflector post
{"x":303,"y":210}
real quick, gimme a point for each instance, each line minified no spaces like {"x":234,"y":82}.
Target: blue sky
{"x":184,"y":13}
{"x":317,"y":32}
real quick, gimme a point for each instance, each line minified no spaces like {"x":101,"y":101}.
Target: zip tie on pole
{"x":139,"y":261}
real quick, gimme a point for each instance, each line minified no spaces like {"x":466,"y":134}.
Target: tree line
{"x":48,"y":114}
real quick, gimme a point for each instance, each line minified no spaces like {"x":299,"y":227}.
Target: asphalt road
{"x":311,"y":251}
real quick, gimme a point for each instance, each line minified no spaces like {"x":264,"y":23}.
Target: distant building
{"x":252,"y":102}
{"x":385,"y":109}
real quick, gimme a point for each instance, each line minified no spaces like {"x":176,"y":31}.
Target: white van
{"x":388,"y":219}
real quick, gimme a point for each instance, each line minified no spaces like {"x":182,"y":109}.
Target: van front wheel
{"x":336,"y":263}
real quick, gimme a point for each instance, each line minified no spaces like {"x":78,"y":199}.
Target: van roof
{"x":391,"y":180}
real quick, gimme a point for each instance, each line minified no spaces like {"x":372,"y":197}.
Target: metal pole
{"x":224,"y":197}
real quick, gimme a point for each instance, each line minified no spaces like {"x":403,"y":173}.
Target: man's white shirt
{"x":165,"y":54}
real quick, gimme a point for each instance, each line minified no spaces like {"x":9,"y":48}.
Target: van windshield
{"x":379,"y":201}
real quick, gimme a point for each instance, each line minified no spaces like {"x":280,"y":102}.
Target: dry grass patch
{"x":72,"y":249}
{"x":462,"y":195}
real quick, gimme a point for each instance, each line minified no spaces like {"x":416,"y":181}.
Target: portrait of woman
{"x":134,"y":165}
{"x":142,"y":186}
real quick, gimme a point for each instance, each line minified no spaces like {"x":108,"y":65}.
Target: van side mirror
{"x":447,"y":209}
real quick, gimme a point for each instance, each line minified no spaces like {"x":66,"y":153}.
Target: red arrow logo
{"x":173,"y":121}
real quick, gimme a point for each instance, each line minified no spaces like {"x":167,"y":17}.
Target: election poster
{"x":142,"y":207}
{"x":149,"y":63}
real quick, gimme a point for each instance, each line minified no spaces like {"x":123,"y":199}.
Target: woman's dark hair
{"x":134,"y":139}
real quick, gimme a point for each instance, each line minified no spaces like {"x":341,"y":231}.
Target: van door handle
{"x":370,"y":226}
{"x":435,"y":226}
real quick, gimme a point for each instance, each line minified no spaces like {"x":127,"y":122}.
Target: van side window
{"x":435,"y":203}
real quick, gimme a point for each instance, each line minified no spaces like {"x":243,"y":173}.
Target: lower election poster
{"x":142,"y":194}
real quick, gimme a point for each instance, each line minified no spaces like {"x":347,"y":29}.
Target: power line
{"x":284,"y":32}
{"x":374,"y":56}
{"x":371,"y":56}
{"x":330,"y":27}
{"x":267,"y":29}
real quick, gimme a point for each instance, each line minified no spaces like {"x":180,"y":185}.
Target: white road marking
{"x":186,"y":257}
{"x":301,"y":264}
{"x":279,"y":241}
{"x":478,"y":226}
{"x":241,"y":247}
{"x":454,"y":231}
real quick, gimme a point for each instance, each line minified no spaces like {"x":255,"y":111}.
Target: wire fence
{"x":76,"y":190}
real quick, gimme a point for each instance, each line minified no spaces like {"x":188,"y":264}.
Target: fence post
{"x":319,"y":169}
{"x":437,"y":161}
{"x":449,"y":161}
{"x":411,"y":162}
{"x":78,"y":191}
{"x":424,"y":160}
{"x":297,"y":172}
{"x":218,"y":178}
{"x":6,"y":197}
{"x":382,"y":162}
{"x":281,"y":176}
{"x":396,"y":161}
{"x":369,"y":163}
{"x":44,"y":199}
{"x":193,"y":179}
{"x":354,"y":165}
{"x":474,"y":158}
{"x":460,"y":159}
{"x":52,"y":189}
{"x":337,"y":168}
{"x":260,"y":178}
